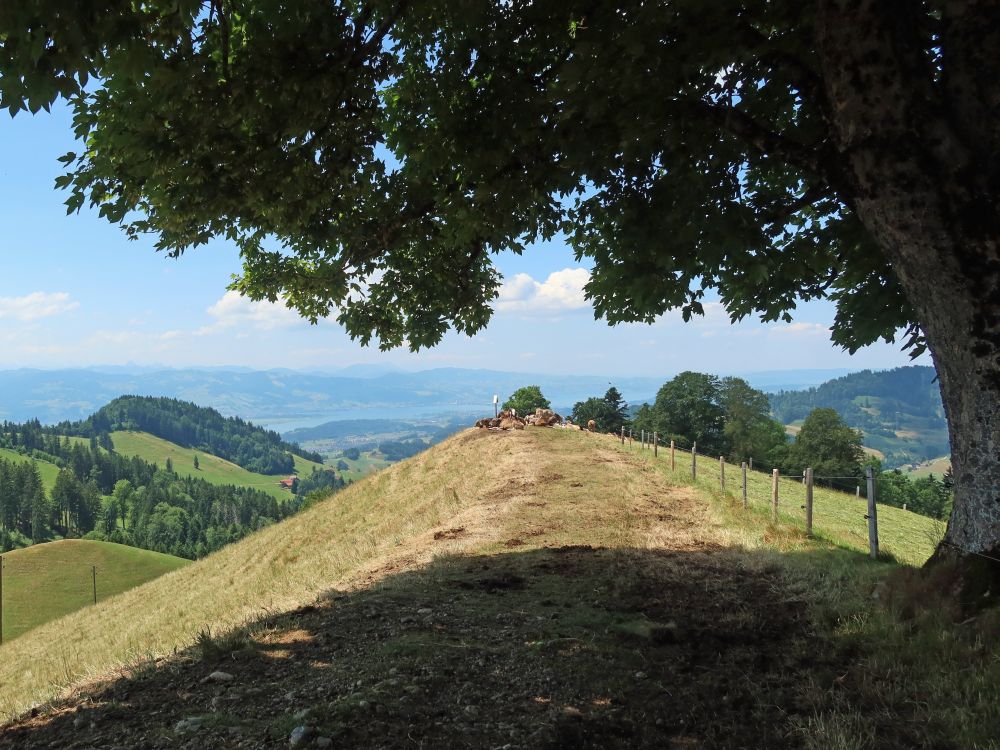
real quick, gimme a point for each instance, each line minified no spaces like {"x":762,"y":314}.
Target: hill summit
{"x":192,"y":426}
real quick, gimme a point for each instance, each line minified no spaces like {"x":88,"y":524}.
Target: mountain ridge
{"x":272,"y":395}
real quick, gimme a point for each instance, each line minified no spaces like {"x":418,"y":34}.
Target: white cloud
{"x":36,"y":305}
{"x":800,"y":329}
{"x":562,"y":290}
{"x":235,"y":310}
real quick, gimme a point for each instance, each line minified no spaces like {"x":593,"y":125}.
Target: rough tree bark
{"x":920,"y":148}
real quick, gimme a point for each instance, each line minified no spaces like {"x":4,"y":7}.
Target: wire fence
{"x":837,"y":508}
{"x":35,"y":590}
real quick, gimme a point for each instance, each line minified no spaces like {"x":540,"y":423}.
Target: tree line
{"x":182,"y":516}
{"x":22,"y":503}
{"x":186,"y":424}
{"x":100,"y":494}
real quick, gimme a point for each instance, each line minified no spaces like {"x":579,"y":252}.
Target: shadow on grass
{"x":554,"y":647}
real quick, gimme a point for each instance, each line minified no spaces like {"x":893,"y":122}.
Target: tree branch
{"x":805,"y":78}
{"x":815,"y":159}
{"x":764,"y":140}
{"x":387,"y":23}
{"x":463,"y":296}
{"x":780,"y":214}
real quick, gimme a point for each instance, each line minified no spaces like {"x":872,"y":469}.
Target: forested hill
{"x":186,"y":424}
{"x":899,"y":411}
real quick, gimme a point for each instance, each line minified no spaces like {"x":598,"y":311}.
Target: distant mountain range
{"x":287,"y":399}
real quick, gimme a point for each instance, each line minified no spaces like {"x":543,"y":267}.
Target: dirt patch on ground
{"x":566,"y":647}
{"x":449,"y":534}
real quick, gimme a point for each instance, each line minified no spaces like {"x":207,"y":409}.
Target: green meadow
{"x":46,"y":581}
{"x":210,"y":468}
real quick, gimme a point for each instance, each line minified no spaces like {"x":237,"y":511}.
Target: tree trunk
{"x":922,"y":161}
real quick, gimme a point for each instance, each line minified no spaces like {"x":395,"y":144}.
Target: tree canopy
{"x":828,"y":445}
{"x":724,"y":416}
{"x":526,"y":399}
{"x":370,"y":158}
{"x":689,"y":406}
{"x":610,"y":412}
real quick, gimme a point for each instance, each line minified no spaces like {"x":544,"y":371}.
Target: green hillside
{"x":192,"y":426}
{"x":838,"y":517}
{"x":899,"y":411}
{"x":937,"y":466}
{"x":46,"y":581}
{"x":48,"y":471}
{"x":368,"y":462}
{"x":210,"y":468}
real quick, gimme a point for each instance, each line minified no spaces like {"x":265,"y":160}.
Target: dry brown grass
{"x":371,"y":528}
{"x":478,"y":491}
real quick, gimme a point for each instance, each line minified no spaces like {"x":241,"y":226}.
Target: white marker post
{"x":496,"y":400}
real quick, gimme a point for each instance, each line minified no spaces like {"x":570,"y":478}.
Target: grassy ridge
{"x":48,"y":471}
{"x":910,"y":680}
{"x":278,"y":568}
{"x":211,"y":468}
{"x":838,"y":517}
{"x":46,"y":581}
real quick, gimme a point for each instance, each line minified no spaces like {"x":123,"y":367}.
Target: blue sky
{"x":74,"y":292}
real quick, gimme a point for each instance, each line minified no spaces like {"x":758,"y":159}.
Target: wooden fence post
{"x":774,"y":495}
{"x":694,"y":461}
{"x":642,"y":439}
{"x":623,"y":435}
{"x":1,"y":599}
{"x":656,"y":444}
{"x":872,"y":513}
{"x":93,"y":570}
{"x":751,"y":463}
{"x":743,"y":466}
{"x":722,"y":473}
{"x":672,"y":462}
{"x":809,"y":501}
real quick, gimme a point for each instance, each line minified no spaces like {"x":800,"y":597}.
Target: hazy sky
{"x":74,"y":292}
